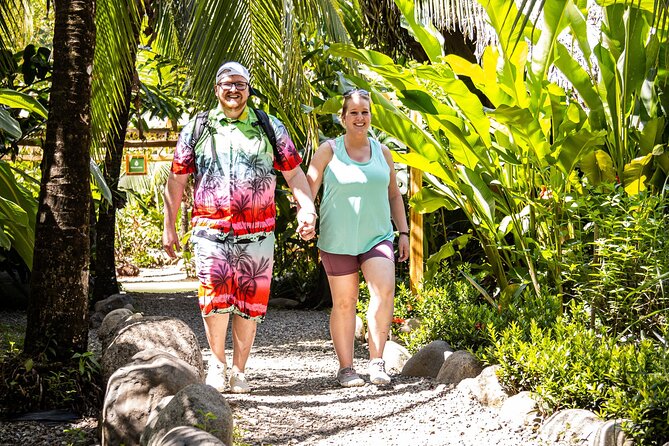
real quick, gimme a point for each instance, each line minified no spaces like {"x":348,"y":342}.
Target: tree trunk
{"x":105,"y":283}
{"x":58,"y":309}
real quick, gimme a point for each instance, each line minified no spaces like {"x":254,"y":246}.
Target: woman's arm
{"x":319,"y":162}
{"x":397,"y":210}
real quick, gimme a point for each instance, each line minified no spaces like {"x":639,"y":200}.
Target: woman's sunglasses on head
{"x":358,"y":91}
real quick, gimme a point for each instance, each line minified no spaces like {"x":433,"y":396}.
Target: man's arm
{"x":174,"y":191}
{"x":306,"y":213}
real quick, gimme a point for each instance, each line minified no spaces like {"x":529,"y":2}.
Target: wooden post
{"x":415,"y":225}
{"x":415,"y":234}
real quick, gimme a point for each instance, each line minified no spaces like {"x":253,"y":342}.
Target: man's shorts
{"x":235,"y":273}
{"x":342,"y":264}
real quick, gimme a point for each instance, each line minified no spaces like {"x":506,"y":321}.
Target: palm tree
{"x":57,"y":315}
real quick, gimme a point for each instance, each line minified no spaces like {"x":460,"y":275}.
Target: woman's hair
{"x":349,"y":94}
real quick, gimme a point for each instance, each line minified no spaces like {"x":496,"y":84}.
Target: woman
{"x":359,"y":198}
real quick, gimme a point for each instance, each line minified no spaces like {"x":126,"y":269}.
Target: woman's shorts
{"x":343,"y":264}
{"x":235,"y":273}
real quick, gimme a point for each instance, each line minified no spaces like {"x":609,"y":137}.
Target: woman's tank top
{"x":354,"y":210}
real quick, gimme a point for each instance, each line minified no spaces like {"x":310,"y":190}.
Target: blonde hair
{"x":364,"y":94}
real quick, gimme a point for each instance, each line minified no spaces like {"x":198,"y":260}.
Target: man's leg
{"x":216,"y":328}
{"x":243,"y":335}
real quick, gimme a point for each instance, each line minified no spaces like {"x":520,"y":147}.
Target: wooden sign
{"x":135,"y":164}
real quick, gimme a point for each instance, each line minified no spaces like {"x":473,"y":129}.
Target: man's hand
{"x":306,"y":224}
{"x":171,"y":242}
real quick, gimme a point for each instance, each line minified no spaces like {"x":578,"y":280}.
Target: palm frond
{"x":264,"y":35}
{"x":117,"y":23}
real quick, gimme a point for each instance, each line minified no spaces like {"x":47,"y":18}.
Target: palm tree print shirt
{"x":233,"y":165}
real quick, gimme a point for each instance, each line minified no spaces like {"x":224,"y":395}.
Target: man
{"x":233,"y":217}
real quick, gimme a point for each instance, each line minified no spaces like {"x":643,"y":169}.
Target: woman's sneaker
{"x":377,"y":372}
{"x":348,"y":378}
{"x":216,"y":375}
{"x":238,"y":383}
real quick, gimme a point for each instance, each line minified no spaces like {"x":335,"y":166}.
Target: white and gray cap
{"x":232,"y":69}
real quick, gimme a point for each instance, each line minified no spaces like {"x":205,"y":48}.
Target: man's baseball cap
{"x":232,"y":69}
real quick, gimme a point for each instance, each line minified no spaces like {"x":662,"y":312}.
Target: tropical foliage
{"x":518,"y":170}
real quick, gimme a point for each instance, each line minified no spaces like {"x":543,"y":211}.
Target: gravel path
{"x":296,"y":400}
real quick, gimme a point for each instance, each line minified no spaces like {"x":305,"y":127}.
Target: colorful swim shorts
{"x":235,"y":272}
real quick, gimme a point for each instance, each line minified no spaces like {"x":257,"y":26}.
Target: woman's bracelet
{"x":404,"y":233}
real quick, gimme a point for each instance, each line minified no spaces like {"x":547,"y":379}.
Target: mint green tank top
{"x":354,"y":211}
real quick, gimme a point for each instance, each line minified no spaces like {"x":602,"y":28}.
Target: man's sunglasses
{"x":358,"y":91}
{"x":240,"y":86}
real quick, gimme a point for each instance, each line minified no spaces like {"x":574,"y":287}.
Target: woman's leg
{"x":379,"y":274}
{"x":342,"y":319}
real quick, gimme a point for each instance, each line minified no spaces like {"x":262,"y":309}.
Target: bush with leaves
{"x":572,"y":366}
{"x":619,"y":266}
{"x":450,"y":308}
{"x":28,"y":384}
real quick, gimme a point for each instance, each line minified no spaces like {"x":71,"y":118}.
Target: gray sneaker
{"x":238,"y":383}
{"x":348,"y":378}
{"x":377,"y":372}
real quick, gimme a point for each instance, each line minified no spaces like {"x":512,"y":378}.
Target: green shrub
{"x":28,"y":384}
{"x":573,"y":366}
{"x":139,"y":234}
{"x":451,"y":309}
{"x":620,"y":266}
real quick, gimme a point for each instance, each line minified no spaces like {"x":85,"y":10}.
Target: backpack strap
{"x":201,"y":122}
{"x":266,"y":125}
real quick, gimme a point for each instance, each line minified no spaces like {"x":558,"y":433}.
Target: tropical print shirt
{"x":233,"y":164}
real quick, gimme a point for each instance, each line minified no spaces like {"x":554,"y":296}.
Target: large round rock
{"x":168,"y":334}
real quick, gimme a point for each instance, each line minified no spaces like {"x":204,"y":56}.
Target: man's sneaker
{"x":348,"y":378}
{"x":238,"y":383}
{"x":377,"y":372}
{"x":216,"y":375}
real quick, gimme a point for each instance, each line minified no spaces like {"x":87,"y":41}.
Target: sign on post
{"x":135,"y":164}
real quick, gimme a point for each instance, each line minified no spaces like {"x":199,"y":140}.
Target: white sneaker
{"x":377,"y":372}
{"x":238,"y":383}
{"x":216,"y":375}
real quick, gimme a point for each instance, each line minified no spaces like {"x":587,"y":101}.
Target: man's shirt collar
{"x":219,"y":115}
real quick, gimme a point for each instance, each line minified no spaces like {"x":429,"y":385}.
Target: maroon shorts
{"x":342,"y":264}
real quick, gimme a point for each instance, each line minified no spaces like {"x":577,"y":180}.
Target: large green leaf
{"x":15,"y":99}
{"x":446,"y":251}
{"x":526,"y":130}
{"x":479,"y":197}
{"x":636,"y":173}
{"x":99,"y":180}
{"x":598,"y":167}
{"x":483,"y":76}
{"x":398,"y":125}
{"x":583,"y":84}
{"x":509,"y":24}
{"x":554,"y":21}
{"x":9,"y":125}
{"x":576,"y":146}
{"x":18,"y":209}
{"x":428,"y":200}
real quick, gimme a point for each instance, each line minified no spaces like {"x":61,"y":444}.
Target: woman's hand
{"x":306,"y":224}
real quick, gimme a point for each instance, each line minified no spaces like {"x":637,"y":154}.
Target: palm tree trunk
{"x":58,"y":308}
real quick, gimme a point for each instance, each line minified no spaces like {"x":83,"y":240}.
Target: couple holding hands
{"x":233,"y":165}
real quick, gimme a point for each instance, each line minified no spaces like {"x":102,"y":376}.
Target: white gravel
{"x":296,"y":400}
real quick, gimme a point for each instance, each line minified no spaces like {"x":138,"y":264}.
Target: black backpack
{"x":202,"y":121}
